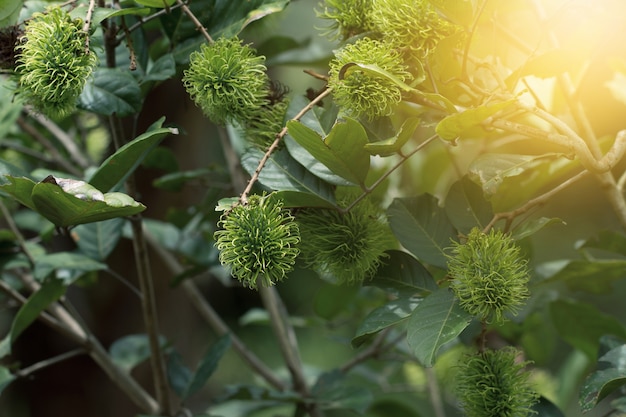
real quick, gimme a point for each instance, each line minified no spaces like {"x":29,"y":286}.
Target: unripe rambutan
{"x":494,"y":384}
{"x":411,"y":25}
{"x":489,"y":275}
{"x":53,"y":62}
{"x":367,"y":93}
{"x":258,"y":240}
{"x":348,"y":17}
{"x":350,"y":246}
{"x":227,"y":80}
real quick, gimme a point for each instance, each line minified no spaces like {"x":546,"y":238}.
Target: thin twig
{"x":596,"y":163}
{"x":129,"y":45}
{"x":374,"y":350}
{"x":25,"y":372}
{"x":316,"y":75}
{"x":64,"y":139}
{"x":274,"y":145}
{"x":142,"y":261}
{"x":124,"y":282}
{"x":16,"y":231}
{"x":144,"y":20}
{"x":40,"y":156}
{"x":88,"y":17}
{"x":271,"y":300}
{"x":52,"y":150}
{"x":434,"y":392}
{"x":44,"y":317}
{"x":470,"y":38}
{"x":63,"y":322}
{"x":195,"y":21}
{"x":389,"y":172}
{"x":149,"y":310}
{"x":285,"y":336}
{"x":542,"y":199}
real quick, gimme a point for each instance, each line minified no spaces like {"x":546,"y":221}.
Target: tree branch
{"x":274,"y":145}
{"x":63,"y":322}
{"x":148,"y":307}
{"x":195,"y":20}
{"x":212,"y":318}
{"x":537,"y":201}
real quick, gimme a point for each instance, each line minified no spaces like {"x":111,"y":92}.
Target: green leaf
{"x":376,"y":72}
{"x":176,"y":180}
{"x":132,"y":350}
{"x":342,"y":151}
{"x":236,"y":16}
{"x":9,"y":112}
{"x":97,"y":240}
{"x":545,"y":408}
{"x":284,"y":50}
{"x":437,"y":320}
{"x":604,"y":381}
{"x":592,"y":277}
{"x":184,"y":382}
{"x":282,"y":172}
{"x":456,"y":124}
{"x":47,"y":294}
{"x":111,"y":91}
{"x":422,"y":227}
{"x":391,"y":407}
{"x":490,"y":170}
{"x":20,"y":188}
{"x":258,"y":393}
{"x":178,"y":374}
{"x":530,"y":227}
{"x":320,"y":119}
{"x":260,"y":317}
{"x":467,"y":207}
{"x":6,"y":377}
{"x":102,"y":13}
{"x":117,"y":167}
{"x":44,"y":265}
{"x":158,"y":4}
{"x":390,"y":314}
{"x":394,"y":144}
{"x":311,"y":164}
{"x":161,"y":69}
{"x":332,"y":392}
{"x":8,"y":169}
{"x":550,"y":64}
{"x":619,"y":404}
{"x":582,"y":325}
{"x":221,"y":18}
{"x":63,"y":209}
{"x":207,"y":365}
{"x":68,"y":202}
{"x":332,"y":299}
{"x":10,"y":12}
{"x":403,"y":275}
{"x":613,"y":241}
{"x":298,"y":199}
{"x":437,"y":100}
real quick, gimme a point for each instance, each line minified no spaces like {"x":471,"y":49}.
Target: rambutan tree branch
{"x":208,"y":313}
{"x":244,"y":195}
